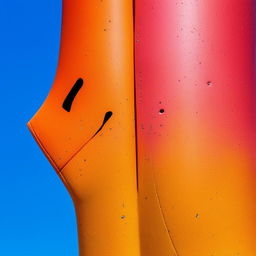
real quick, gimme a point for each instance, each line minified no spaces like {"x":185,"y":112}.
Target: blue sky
{"x":36,"y":212}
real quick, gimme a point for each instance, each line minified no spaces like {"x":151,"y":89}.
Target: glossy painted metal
{"x":195,"y":79}
{"x":194,"y":75}
{"x":99,"y":171}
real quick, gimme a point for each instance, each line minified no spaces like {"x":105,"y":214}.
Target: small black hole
{"x":161,"y":111}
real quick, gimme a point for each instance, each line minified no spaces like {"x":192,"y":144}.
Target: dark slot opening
{"x":67,"y":104}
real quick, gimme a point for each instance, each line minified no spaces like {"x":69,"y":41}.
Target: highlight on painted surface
{"x":150,"y":124}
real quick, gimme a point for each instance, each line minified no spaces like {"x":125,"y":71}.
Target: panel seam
{"x":164,"y":219}
{"x":135,"y":96}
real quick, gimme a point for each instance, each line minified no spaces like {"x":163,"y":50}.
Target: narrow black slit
{"x":106,"y":118}
{"x":67,"y":104}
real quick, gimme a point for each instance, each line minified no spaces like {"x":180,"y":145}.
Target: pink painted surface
{"x":195,"y":61}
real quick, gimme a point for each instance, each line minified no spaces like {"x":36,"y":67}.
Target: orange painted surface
{"x":99,"y":171}
{"x":193,"y":140}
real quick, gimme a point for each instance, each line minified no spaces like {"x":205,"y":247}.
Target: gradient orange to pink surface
{"x":195,"y":62}
{"x":194,"y":126}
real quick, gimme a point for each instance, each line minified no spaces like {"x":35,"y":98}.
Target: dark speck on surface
{"x":161,"y":111}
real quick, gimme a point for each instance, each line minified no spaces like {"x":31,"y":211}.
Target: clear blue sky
{"x":36,"y":213}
